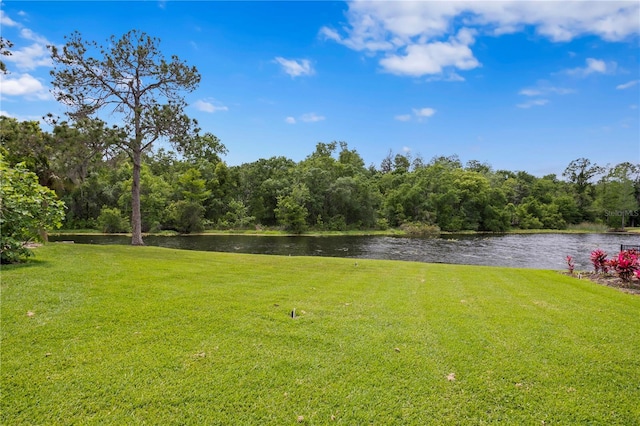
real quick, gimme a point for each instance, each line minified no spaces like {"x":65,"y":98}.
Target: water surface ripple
{"x":539,"y":251}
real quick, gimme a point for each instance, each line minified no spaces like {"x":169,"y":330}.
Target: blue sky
{"x":520,"y":85}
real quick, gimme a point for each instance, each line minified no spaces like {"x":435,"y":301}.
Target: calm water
{"x":540,"y":251}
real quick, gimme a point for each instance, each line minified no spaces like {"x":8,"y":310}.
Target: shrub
{"x":418,"y":229}
{"x":187,"y":216}
{"x":382,"y":224}
{"x":291,"y":214}
{"x":27,"y":210}
{"x":111,"y":221}
{"x":599,"y":261}
{"x":570,"y":264}
{"x":625,"y":265}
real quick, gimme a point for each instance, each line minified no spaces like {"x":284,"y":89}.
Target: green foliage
{"x":340,"y":193}
{"x":117,"y":335}
{"x":144,"y":89}
{"x":291,"y":211}
{"x":588,"y":227}
{"x":237,"y":217}
{"x":27,"y":211}
{"x":155,"y":196}
{"x":186,"y":216}
{"x":111,"y":220}
{"x":24,"y":142}
{"x":5,"y":45}
{"x":417,"y":229}
{"x":192,"y":187}
{"x":616,"y":199}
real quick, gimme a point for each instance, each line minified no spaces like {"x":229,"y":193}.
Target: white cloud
{"x":450,"y":77}
{"x":295,"y":68}
{"x":410,"y":38}
{"x":6,"y":21}
{"x":597,"y":66}
{"x":418,"y":113}
{"x":23,"y":85}
{"x":432,"y":58}
{"x":544,"y":89}
{"x":627,"y":85}
{"x":29,"y":57}
{"x":209,"y":107}
{"x":330,"y":34}
{"x":311,"y":117}
{"x":534,"y":102}
{"x":530,"y":92}
{"x":424,"y":112}
{"x":5,"y":114}
{"x":633,"y":106}
{"x":30,"y":35}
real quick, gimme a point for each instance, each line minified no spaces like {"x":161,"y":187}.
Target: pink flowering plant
{"x":626,"y":265}
{"x":570,"y":264}
{"x":599,"y":261}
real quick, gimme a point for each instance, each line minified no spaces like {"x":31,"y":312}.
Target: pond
{"x":539,"y":251}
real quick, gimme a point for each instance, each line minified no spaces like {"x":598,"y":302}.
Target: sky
{"x":520,"y":85}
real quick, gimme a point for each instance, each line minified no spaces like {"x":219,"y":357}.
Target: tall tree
{"x":131,"y":79}
{"x":580,"y":172}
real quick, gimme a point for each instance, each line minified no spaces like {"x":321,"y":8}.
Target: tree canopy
{"x":131,"y":80}
{"x":330,"y":189}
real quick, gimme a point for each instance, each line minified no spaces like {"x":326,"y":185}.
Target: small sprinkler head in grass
{"x":293,"y":313}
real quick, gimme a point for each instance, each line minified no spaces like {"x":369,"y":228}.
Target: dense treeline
{"x":331,"y":189}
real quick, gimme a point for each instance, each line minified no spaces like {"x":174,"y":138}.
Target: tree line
{"x":110,"y":177}
{"x":331,"y":189}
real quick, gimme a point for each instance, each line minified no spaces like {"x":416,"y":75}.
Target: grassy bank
{"x":132,"y":335}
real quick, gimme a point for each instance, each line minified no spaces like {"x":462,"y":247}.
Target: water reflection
{"x":540,"y":251}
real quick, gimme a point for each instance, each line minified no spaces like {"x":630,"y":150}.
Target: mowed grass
{"x":143,"y":335}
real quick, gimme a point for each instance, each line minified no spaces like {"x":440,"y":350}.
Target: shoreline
{"x":368,"y":233}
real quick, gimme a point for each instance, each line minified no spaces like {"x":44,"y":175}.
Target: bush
{"x":291,"y":214}
{"x":382,"y":224}
{"x":187,"y":216}
{"x":625,"y":265}
{"x":27,"y":210}
{"x":599,"y":261}
{"x":570,"y":264}
{"x":237,"y":216}
{"x":418,"y":229}
{"x":112,"y":221}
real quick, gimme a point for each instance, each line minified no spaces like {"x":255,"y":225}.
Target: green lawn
{"x":143,"y":335}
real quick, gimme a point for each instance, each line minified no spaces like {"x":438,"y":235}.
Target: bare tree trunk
{"x":136,"y":221}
